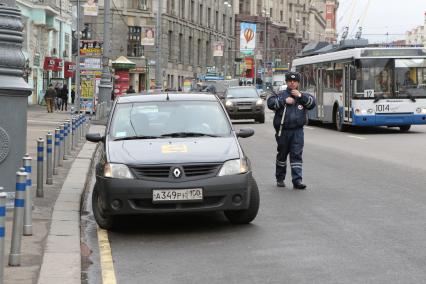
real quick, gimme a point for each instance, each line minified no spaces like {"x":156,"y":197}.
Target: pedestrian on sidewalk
{"x":49,"y":97}
{"x":58,"y":100}
{"x":72,"y":96}
{"x":290,"y":108}
{"x":64,"y":97}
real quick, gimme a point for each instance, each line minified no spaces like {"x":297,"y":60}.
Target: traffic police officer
{"x":290,"y":108}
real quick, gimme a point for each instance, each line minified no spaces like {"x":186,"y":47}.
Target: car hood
{"x":173,"y":150}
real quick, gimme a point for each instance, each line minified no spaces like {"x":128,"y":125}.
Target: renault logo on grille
{"x":177,"y":173}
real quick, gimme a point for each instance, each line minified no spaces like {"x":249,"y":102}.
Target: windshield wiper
{"x":410,"y":96}
{"x":136,"y":137}
{"x":187,"y":134}
{"x":378,"y":98}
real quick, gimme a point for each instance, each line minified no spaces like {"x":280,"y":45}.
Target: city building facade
{"x":284,"y":27}
{"x":47,"y":37}
{"x":417,"y":35}
{"x":190,"y":30}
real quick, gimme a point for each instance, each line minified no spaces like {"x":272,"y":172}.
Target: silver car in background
{"x":244,"y":102}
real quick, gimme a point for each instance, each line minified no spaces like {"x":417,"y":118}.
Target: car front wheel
{"x":104,"y":220}
{"x":247,"y":215}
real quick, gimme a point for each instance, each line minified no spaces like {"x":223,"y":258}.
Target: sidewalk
{"x":52,"y":253}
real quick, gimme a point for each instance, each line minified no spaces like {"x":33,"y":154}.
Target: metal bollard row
{"x":40,"y":159}
{"x":18,"y":219}
{"x":2,"y":229}
{"x":28,"y":217}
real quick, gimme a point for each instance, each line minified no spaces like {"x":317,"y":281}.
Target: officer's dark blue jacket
{"x":295,"y":115}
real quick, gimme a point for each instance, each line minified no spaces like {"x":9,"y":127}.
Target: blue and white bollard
{"x":28,"y":216}
{"x":49,"y":158}
{"x":56,"y":152}
{"x":40,"y":160}
{"x":61,"y":144}
{"x":73,"y":140}
{"x":69,"y":137}
{"x":3,"y":196}
{"x":65,"y":141}
{"x":18,"y":219}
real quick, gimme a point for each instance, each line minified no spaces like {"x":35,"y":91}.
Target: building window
{"x":199,"y":52}
{"x":200,"y":15}
{"x":190,"y":50}
{"x":170,"y":44}
{"x":192,"y":12}
{"x":208,"y":50}
{"x":182,"y":8}
{"x":134,"y":47}
{"x":67,"y":45}
{"x":281,"y":16}
{"x":224,"y":23}
{"x":86,"y":33}
{"x":216,"y":20}
{"x":209,"y":17}
{"x":133,"y":4}
{"x":181,"y":49}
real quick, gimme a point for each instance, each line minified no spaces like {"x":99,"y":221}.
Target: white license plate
{"x":244,"y":107}
{"x":187,"y":194}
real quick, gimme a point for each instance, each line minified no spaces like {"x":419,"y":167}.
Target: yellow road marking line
{"x":107,"y":264}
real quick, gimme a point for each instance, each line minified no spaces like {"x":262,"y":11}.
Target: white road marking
{"x":356,"y":137}
{"x":309,"y":127}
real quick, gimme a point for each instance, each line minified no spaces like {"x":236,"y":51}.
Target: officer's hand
{"x":296,"y":93}
{"x":289,"y":100}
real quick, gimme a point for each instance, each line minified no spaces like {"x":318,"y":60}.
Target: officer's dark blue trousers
{"x":291,"y":142}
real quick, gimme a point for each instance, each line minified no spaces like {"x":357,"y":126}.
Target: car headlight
{"x":229,"y":103}
{"x":259,"y":102}
{"x":234,"y":167}
{"x":421,"y":110}
{"x":117,"y":171}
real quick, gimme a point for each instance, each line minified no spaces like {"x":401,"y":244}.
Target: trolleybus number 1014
{"x":382,"y":108}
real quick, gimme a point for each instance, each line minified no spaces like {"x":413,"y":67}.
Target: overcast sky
{"x":380,"y":17}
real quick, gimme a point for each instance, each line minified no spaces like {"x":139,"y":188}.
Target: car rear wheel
{"x":104,"y":220}
{"x":247,"y":215}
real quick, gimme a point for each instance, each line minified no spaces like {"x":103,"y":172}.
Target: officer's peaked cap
{"x":292,"y":76}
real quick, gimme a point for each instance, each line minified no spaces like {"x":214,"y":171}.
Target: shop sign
{"x":49,"y":63}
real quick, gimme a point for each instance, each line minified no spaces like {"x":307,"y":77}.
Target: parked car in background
{"x":244,"y":102}
{"x":169,"y":153}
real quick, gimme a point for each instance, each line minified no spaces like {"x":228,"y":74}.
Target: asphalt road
{"x":361,"y":220}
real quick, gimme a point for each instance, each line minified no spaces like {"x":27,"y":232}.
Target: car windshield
{"x":242,"y":93}
{"x":155,"y":120}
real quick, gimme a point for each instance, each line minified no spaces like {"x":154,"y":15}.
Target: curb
{"x":62,"y":257}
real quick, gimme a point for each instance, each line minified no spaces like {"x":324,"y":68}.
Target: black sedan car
{"x":168,"y":153}
{"x":244,"y":102}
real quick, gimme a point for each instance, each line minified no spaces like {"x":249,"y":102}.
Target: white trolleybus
{"x":367,"y":86}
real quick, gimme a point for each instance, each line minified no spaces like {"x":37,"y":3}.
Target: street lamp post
{"x":158,"y":62}
{"x":225,"y":47}
{"x":105,"y":86}
{"x":146,"y":73}
{"x":265,"y":47}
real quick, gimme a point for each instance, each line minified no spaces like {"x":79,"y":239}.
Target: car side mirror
{"x":94,"y":137}
{"x":245,"y":132}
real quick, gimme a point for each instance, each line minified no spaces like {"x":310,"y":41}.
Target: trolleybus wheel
{"x":339,"y":121}
{"x":404,"y":128}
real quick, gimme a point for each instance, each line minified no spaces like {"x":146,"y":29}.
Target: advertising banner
{"x":69,"y":69}
{"x":247,"y":38}
{"x":218,"y":48}
{"x":91,"y":8}
{"x":59,"y":64}
{"x":87,"y":87}
{"x":121,"y":82}
{"x":148,"y":36}
{"x":91,"y":48}
{"x":49,"y":63}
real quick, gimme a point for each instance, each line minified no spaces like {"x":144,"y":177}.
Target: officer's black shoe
{"x":299,"y":186}
{"x":280,"y":183}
